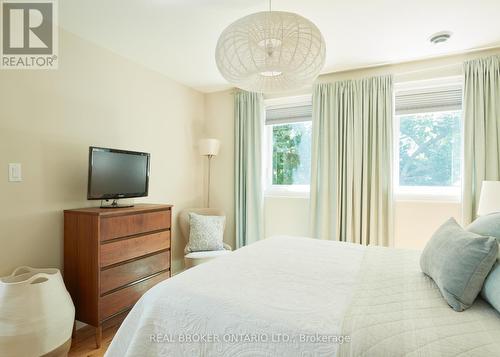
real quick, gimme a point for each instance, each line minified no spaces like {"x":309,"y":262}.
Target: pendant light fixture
{"x":270,"y":51}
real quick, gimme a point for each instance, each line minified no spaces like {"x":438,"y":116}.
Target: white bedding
{"x":281,"y":286}
{"x":396,"y":310}
{"x":271,"y":297}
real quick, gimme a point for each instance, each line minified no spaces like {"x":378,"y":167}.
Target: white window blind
{"x":428,"y":100}
{"x":289,"y":114}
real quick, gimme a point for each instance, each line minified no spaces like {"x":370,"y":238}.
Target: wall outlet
{"x":15,"y":173}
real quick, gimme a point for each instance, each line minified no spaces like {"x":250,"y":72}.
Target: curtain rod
{"x":428,"y":69}
{"x":386,"y":71}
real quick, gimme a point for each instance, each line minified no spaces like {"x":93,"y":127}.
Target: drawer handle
{"x":135,"y":282}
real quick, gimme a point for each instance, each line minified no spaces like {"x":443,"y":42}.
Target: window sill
{"x":428,"y":194}
{"x":292,"y":191}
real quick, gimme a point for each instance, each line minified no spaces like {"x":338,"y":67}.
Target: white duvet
{"x":396,"y":310}
{"x":287,"y":296}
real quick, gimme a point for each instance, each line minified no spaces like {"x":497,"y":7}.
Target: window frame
{"x":452,"y":194}
{"x":270,"y":190}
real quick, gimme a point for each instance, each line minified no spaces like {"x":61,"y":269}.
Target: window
{"x":288,"y":143}
{"x":428,"y":142}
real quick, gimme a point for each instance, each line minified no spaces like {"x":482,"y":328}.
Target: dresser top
{"x":138,"y":208}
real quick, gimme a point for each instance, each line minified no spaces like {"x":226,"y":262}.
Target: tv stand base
{"x":115,"y":204}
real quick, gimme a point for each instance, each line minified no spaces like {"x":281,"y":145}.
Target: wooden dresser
{"x":113,"y":256}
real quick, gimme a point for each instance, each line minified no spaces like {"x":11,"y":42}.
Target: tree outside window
{"x":430,"y":147}
{"x":291,"y":157}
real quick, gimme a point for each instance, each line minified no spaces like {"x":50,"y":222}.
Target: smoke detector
{"x":440,"y":37}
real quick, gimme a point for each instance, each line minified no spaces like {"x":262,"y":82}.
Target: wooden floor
{"x":83,"y":344}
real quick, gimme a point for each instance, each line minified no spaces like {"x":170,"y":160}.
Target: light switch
{"x":15,"y":174}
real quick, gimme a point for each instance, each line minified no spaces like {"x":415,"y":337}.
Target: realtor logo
{"x":29,"y":34}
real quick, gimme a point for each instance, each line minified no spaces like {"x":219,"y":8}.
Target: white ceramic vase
{"x":36,"y":313}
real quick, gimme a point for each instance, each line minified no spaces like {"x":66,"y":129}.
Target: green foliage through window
{"x":430,"y":146}
{"x":291,"y":153}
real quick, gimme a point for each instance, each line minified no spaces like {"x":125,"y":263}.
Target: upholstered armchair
{"x":195,"y":258}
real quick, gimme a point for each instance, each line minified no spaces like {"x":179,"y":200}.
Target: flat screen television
{"x":115,"y":174}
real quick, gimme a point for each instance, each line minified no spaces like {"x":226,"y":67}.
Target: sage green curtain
{"x":481,"y":114}
{"x":249,"y":123}
{"x":351,"y":171}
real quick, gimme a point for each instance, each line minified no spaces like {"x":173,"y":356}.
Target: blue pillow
{"x":458,"y":261}
{"x":491,"y":288}
{"x":489,"y":225}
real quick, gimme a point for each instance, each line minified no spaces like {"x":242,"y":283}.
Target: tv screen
{"x":117,"y":174}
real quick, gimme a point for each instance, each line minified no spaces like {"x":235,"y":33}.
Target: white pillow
{"x":206,"y":233}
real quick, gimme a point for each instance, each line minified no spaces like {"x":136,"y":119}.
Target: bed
{"x":289,"y":296}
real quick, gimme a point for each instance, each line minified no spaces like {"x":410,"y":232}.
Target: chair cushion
{"x":207,"y":254}
{"x":489,"y":225}
{"x":197,"y":258}
{"x":458,"y":261}
{"x":206,"y":233}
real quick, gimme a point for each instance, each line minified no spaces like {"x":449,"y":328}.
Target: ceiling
{"x":178,"y":37}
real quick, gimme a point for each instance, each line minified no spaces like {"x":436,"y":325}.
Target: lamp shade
{"x":489,"y":201}
{"x":271,"y":51}
{"x":209,"y":147}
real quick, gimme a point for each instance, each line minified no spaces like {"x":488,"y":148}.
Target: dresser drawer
{"x":127,"y":273}
{"x":123,"y":226}
{"x":125,"y":298}
{"x":130,"y":248}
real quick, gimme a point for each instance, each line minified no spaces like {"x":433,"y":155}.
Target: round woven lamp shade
{"x":271,"y":51}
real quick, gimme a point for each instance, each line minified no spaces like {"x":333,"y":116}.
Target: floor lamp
{"x":489,"y":200}
{"x":209,"y":148}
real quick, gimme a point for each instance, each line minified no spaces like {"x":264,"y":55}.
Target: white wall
{"x":415,"y":221}
{"x":286,"y":215}
{"x":48,"y":119}
{"x":219,"y":108}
